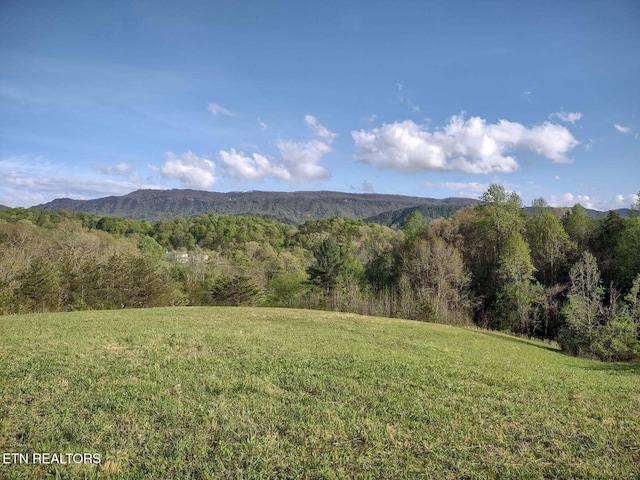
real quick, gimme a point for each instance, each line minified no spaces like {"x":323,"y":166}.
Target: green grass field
{"x":271,"y":393}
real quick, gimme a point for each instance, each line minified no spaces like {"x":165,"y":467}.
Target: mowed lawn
{"x":272,"y":393}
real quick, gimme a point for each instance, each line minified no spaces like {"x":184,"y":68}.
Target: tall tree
{"x":486,"y":231}
{"x":580,"y":226}
{"x":39,"y":287}
{"x":633,"y":301}
{"x":328,"y":268}
{"x":584,"y":310}
{"x":519,"y":292}
{"x":627,"y":253}
{"x":549,"y":244}
{"x":413,"y":225}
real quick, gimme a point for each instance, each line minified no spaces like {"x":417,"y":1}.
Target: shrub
{"x":617,"y":340}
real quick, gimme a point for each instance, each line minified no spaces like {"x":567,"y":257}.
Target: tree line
{"x":555,"y":274}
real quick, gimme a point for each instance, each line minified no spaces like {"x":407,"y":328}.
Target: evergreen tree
{"x":328,"y":268}
{"x":38,"y":289}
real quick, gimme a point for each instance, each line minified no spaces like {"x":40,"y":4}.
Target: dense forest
{"x":536,"y":272}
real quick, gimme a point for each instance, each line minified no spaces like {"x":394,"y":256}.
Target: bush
{"x":613,"y":342}
{"x":617,"y":340}
{"x":572,"y":343}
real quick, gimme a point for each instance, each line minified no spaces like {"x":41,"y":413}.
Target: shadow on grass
{"x":525,"y":341}
{"x":612,"y":367}
{"x":615,"y":367}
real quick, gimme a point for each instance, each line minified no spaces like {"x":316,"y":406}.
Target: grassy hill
{"x":271,"y":393}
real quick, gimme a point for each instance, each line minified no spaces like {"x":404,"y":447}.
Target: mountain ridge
{"x":288,"y":207}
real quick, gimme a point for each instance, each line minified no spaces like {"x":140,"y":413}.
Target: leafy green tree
{"x":580,"y":226}
{"x":486,"y":230}
{"x":520,"y":292}
{"x":438,"y":281}
{"x":604,"y":240}
{"x":584,"y":311}
{"x":151,"y":249}
{"x":627,"y":254}
{"x":549,"y":244}
{"x":633,"y":302}
{"x":287,"y":289}
{"x":381,"y":271}
{"x":414,"y":224}
{"x":616,"y":340}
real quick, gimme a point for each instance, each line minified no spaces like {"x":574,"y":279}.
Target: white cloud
{"x":319,"y":130}
{"x":26,"y":182}
{"x":470,"y":146}
{"x":216,"y":109}
{"x":568,"y":117}
{"x":299,"y":162}
{"x":302,"y":159}
{"x":190,"y":169}
{"x":121,"y":169}
{"x":621,"y":129}
{"x":569,"y":200}
{"x":587,"y":201}
{"x":239,"y":167}
{"x":622,"y":201}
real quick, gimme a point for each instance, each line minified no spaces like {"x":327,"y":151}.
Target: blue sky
{"x":426,"y":98}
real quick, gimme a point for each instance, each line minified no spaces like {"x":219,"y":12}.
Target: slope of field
{"x":271,"y":393}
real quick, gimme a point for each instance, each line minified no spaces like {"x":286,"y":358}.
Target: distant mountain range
{"x":287,"y":207}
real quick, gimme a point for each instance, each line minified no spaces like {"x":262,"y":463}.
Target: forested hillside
{"x":288,"y":207}
{"x":537,"y":272}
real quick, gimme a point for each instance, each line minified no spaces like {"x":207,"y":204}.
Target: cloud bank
{"x":464,"y":145}
{"x":27,"y":181}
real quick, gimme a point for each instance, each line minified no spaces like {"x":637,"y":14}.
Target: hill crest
{"x":288,"y":207}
